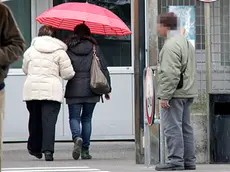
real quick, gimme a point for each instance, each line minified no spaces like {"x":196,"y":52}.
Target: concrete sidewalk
{"x":107,"y":157}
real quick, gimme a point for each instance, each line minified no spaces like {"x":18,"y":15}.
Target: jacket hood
{"x":47,"y":44}
{"x":81,"y":45}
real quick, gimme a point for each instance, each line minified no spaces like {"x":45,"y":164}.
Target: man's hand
{"x":164,"y":104}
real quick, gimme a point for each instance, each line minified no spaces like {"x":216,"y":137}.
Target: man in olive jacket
{"x":11,"y":47}
{"x":176,"y":90}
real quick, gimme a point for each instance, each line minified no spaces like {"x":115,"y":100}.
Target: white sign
{"x":150,"y":95}
{"x":208,"y":0}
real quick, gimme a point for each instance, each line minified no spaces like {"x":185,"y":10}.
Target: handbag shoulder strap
{"x":95,"y":52}
{"x":187,"y":59}
{"x":94,"y":49}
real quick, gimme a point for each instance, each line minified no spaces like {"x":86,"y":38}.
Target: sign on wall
{"x":187,"y":18}
{"x":149,"y":96}
{"x":208,"y":1}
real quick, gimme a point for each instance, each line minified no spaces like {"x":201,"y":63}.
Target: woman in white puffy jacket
{"x":45,"y":63}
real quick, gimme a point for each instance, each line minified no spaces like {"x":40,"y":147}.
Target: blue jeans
{"x":81,"y":113}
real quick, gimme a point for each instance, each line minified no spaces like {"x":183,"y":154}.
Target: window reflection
{"x":121,"y":8}
{"x":23,"y":17}
{"x":117,"y":50}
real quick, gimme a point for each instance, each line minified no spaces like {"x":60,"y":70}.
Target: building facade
{"x":115,"y":118}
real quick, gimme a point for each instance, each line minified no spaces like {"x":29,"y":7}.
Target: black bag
{"x":181,"y":82}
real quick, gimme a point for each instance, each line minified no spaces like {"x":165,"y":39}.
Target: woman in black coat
{"x":79,"y":97}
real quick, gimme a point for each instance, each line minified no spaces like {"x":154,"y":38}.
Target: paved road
{"x":53,"y":169}
{"x":107,"y":157}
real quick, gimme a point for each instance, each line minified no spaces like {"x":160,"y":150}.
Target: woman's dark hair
{"x":75,"y":40}
{"x":47,"y":31}
{"x":168,"y":20}
{"x":82,"y":30}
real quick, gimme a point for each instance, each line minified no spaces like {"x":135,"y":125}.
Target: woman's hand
{"x":107,"y":96}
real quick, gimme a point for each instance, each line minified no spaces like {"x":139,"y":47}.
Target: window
{"x":200,"y":27}
{"x":225,"y":32}
{"x":200,"y":35}
{"x":116,"y":50}
{"x":22,"y":13}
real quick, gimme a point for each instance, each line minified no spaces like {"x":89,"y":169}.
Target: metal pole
{"x":207,"y":13}
{"x":146,"y":140}
{"x":162,"y":141}
{"x":146,"y":34}
{"x":147,"y":145}
{"x":147,"y":129}
{"x":142,"y":54}
{"x":139,"y":65}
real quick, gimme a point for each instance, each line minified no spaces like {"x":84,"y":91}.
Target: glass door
{"x":23,"y":18}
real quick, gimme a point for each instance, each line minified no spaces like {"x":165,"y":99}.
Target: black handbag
{"x":181,"y":82}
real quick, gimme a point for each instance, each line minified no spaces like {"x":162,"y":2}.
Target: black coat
{"x":80,"y":51}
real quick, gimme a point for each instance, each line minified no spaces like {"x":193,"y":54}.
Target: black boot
{"x":37,"y":155}
{"x":77,"y":148}
{"x":49,"y":156}
{"x":85,"y":153}
{"x":169,"y":167}
{"x":190,"y":167}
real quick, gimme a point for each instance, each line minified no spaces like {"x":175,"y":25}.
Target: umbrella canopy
{"x":100,"y":20}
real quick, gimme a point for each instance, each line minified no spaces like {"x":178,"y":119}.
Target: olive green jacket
{"x":176,"y":56}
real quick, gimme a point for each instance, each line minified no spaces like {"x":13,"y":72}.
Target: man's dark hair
{"x":168,"y":20}
{"x":82,"y":30}
{"x":47,"y":31}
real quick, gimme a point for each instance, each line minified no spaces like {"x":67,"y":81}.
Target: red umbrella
{"x":100,"y":20}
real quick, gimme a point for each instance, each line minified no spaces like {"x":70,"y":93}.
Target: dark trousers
{"x":42,"y":122}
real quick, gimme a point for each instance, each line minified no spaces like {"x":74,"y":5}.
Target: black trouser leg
{"x":50,"y":111}
{"x":35,"y":126}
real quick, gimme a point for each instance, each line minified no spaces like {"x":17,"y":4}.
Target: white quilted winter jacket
{"x":45,"y":63}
